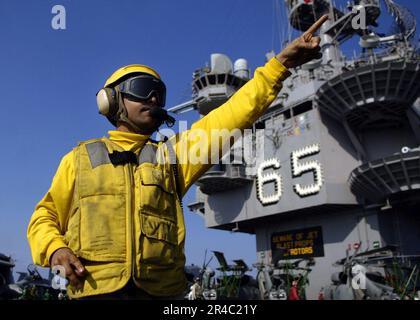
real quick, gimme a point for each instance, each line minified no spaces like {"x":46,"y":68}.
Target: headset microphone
{"x":162,"y":115}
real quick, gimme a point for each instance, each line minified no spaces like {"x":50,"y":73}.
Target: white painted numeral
{"x":266,"y":178}
{"x":299,"y":168}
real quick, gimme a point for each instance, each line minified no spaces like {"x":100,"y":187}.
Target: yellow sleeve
{"x":47,"y":225}
{"x":239,"y":112}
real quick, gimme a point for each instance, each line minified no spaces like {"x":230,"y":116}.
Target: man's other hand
{"x":303,"y":49}
{"x":75,"y":271}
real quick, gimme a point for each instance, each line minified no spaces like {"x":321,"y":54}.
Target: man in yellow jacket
{"x":112,"y":216}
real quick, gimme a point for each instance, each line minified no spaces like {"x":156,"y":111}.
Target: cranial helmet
{"x":135,"y":80}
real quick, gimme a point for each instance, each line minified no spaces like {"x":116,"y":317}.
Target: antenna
{"x":332,"y":16}
{"x":205,"y":265}
{"x":236,"y":228}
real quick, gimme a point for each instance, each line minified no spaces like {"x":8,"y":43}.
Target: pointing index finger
{"x":315,"y":27}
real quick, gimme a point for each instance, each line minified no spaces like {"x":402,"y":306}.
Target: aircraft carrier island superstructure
{"x":337,"y":164}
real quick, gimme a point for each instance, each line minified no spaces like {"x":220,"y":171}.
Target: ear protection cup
{"x":107,"y":102}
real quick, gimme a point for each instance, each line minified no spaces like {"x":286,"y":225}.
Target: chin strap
{"x":122,"y":112}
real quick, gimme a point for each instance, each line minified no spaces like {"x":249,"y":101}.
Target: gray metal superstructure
{"x":335,"y":161}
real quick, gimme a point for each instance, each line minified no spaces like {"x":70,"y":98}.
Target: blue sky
{"x":49,"y":79}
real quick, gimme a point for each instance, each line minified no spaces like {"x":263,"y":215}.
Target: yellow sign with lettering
{"x":294,"y":244}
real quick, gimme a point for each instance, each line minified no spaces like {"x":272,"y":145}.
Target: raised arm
{"x":244,"y":107}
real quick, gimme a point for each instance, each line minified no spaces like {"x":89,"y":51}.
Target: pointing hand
{"x":303,"y":49}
